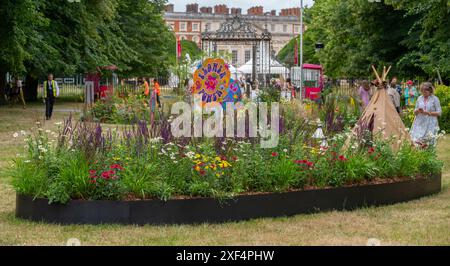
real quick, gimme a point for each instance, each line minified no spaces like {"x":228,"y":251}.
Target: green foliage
{"x":67,"y":37}
{"x":191,"y":48}
{"x":84,"y":162}
{"x":412,"y":36}
{"x":443,"y":93}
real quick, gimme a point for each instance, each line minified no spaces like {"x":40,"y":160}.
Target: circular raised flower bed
{"x":209,"y":210}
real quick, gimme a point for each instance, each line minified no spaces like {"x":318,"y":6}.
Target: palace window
{"x":195,"y":27}
{"x":234,"y":57}
{"x":183,"y":26}
{"x":248,"y":55}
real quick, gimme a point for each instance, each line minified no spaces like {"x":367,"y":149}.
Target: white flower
{"x":155,"y":140}
{"x":58,"y":123}
{"x":40,"y":157}
{"x":285,"y":150}
{"x":23,"y":132}
{"x":18,"y":155}
{"x":38,"y":123}
{"x":15,"y":135}
{"x":175,"y":162}
{"x":190,"y":154}
{"x":27,"y":161}
{"x":47,"y":131}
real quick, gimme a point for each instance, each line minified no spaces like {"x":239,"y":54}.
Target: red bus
{"x":312,"y":80}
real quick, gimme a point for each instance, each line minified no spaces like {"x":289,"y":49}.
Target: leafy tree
{"x":19,"y":20}
{"x":428,"y":43}
{"x":358,"y":33}
{"x":146,"y":34}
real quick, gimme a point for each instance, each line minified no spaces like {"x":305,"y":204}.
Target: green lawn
{"x":420,"y":222}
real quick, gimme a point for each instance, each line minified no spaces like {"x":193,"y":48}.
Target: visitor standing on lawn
{"x":157,"y":90}
{"x":364,"y":93}
{"x":410,"y":93}
{"x":51,"y":91}
{"x":146,"y":88}
{"x":20,"y":91}
{"x":393,"y":93}
{"x":428,"y":108}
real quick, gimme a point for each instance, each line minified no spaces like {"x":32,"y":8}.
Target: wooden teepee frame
{"x":380,"y":117}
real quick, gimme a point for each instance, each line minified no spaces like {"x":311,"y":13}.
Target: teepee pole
{"x":387,"y":72}
{"x":376,"y":74}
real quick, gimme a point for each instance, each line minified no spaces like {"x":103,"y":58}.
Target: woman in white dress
{"x":428,"y":108}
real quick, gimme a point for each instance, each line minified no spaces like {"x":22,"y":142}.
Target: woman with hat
{"x":410,"y":93}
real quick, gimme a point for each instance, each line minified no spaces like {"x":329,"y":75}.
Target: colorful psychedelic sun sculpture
{"x":234,"y":94}
{"x":212,"y":80}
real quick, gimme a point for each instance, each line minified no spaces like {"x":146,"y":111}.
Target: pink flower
{"x":274,"y":154}
{"x":211,"y":83}
{"x":92,"y":172}
{"x":117,"y":166}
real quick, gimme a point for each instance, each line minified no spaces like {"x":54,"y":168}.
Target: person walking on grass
{"x":157,"y":90}
{"x":20,"y":91}
{"x":51,"y":91}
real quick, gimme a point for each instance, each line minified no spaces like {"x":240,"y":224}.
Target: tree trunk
{"x":2,"y":87}
{"x":30,"y":90}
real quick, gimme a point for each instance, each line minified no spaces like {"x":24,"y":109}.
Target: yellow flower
{"x":217,"y":175}
{"x":197,"y":168}
{"x":198,"y":156}
{"x":206,"y":167}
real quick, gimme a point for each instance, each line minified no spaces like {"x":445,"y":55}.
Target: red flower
{"x":223,"y":158}
{"x":116,"y":166}
{"x":274,"y":154}
{"x":93,"y":176}
{"x":105,"y":175}
{"x":342,"y":158}
{"x":202,"y":172}
{"x":309,"y":164}
{"x":234,"y":158}
{"x":371,"y":150}
{"x":92,"y":172}
{"x":108,"y":174}
{"x":93,"y":181}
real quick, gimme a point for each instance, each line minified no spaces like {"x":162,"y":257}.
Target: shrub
{"x":443,"y":93}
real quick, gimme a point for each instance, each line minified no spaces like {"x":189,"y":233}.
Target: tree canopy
{"x":68,"y":37}
{"x":412,"y":36}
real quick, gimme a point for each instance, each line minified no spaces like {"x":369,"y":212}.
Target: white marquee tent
{"x":275,"y":68}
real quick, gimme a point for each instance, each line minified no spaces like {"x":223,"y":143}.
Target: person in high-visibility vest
{"x":51,"y":91}
{"x":157,"y":90}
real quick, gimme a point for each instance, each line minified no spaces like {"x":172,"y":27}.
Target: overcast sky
{"x":180,"y":5}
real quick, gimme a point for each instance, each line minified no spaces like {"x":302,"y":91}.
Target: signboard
{"x":212,"y":80}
